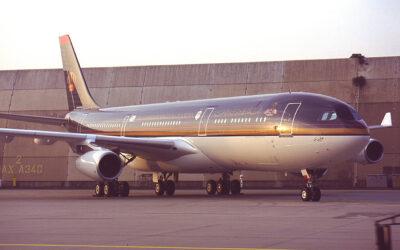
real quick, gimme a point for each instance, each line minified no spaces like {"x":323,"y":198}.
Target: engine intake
{"x":100,"y":165}
{"x":372,"y":153}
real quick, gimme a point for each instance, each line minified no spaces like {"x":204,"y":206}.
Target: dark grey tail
{"x":78,"y":94}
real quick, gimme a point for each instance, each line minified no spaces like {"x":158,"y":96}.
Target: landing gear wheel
{"x":109,"y":189}
{"x":315,"y":194}
{"x":235,"y":187}
{"x":123,"y":189}
{"x":211,"y":187}
{"x":170,"y":187}
{"x":99,"y":189}
{"x":312,"y":191}
{"x":306,"y":194}
{"x":159,"y":188}
{"x":222,"y":187}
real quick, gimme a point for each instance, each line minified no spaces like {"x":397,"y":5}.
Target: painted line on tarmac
{"x":135,"y":247}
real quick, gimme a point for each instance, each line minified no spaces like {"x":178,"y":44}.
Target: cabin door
{"x":287,"y":120}
{"x":123,"y":125}
{"x":204,"y":121}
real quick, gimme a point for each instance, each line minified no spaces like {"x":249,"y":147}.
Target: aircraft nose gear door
{"x":204,"y":121}
{"x":287,"y":120}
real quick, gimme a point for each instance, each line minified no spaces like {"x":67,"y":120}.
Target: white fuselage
{"x":263,"y":153}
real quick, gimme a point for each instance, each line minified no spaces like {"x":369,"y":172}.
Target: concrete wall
{"x":42,"y":92}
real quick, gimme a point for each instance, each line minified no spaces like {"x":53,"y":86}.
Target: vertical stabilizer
{"x":78,"y":94}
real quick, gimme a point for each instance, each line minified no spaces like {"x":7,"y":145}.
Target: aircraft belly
{"x":222,"y":154}
{"x":280,"y":153}
{"x":193,"y":163}
{"x":240,"y":152}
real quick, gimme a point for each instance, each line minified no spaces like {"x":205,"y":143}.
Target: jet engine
{"x":372,"y":153}
{"x":101,"y":165}
{"x":44,"y":141}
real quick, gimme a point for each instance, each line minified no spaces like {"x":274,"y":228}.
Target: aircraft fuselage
{"x":287,"y":131}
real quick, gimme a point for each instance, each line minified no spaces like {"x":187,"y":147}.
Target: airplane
{"x":300,"y":133}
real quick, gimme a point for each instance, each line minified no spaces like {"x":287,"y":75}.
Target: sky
{"x":151,"y":32}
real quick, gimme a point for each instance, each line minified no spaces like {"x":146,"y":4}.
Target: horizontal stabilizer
{"x":34,"y":118}
{"x":386,"y":122}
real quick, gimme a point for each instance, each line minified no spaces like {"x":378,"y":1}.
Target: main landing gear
{"x":112,"y":189}
{"x":311,"y":192}
{"x":163,"y":184}
{"x":115,"y":187}
{"x":223,"y":186}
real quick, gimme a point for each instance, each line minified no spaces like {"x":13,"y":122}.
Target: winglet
{"x":386,"y":122}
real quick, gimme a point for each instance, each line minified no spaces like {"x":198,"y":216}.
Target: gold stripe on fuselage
{"x":233,"y":132}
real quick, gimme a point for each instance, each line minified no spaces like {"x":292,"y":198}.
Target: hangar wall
{"x":42,"y":92}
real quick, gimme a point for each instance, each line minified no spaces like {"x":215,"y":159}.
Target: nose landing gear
{"x":312,"y":192}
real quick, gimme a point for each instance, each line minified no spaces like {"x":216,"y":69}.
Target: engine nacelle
{"x":100,"y":165}
{"x":44,"y":141}
{"x":372,"y":153}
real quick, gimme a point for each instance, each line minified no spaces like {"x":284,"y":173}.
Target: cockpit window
{"x":326,"y":113}
{"x":328,"y":116}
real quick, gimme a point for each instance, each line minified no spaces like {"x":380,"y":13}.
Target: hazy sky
{"x":129,"y":33}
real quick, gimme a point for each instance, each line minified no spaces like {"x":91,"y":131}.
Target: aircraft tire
{"x":108,"y":189}
{"x":99,"y":189}
{"x":159,"y":188}
{"x":211,"y":187}
{"x":315,"y":194}
{"x":223,"y":187}
{"x":170,"y":187}
{"x":306,"y":194}
{"x":123,"y":189}
{"x":235,"y":187}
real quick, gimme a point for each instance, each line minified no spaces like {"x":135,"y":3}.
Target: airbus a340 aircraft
{"x":300,"y":133}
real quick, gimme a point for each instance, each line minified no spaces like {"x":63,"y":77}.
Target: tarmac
{"x":257,"y":219}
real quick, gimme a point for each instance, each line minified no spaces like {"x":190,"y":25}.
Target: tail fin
{"x":78,"y":94}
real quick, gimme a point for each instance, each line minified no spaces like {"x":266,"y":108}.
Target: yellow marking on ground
{"x":134,"y":247}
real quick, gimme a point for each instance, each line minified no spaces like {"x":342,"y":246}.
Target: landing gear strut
{"x":311,"y":191}
{"x":112,"y":188}
{"x":164,"y":185}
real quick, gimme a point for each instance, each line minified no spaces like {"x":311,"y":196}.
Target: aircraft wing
{"x":35,"y":118}
{"x":146,"y":148}
{"x":386,"y":122}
